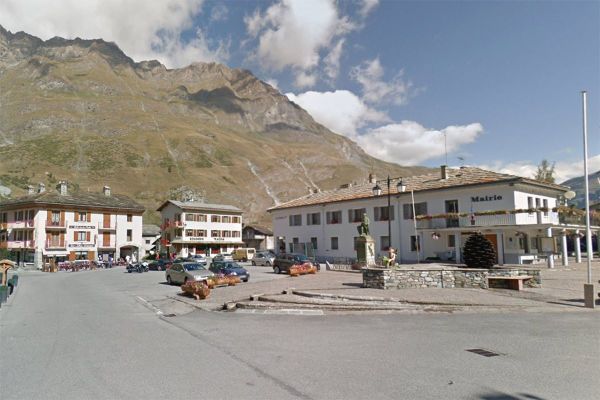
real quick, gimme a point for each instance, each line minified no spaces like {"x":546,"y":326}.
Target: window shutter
{"x":377,"y":213}
{"x":49,"y":216}
{"x":75,"y":235}
{"x":88,"y":236}
{"x":62,"y":218}
{"x":89,"y":217}
{"x":62,"y":239}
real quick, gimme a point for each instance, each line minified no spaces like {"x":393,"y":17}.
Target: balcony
{"x":29,"y":223}
{"x":55,"y":224}
{"x":109,"y":227}
{"x":489,"y":220}
{"x":20,"y":244}
{"x":56,"y":245}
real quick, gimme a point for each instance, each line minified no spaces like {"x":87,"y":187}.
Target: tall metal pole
{"x":588,"y":289}
{"x":389,"y":215}
{"x":588,"y":231}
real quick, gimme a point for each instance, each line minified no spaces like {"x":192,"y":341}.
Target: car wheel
{"x":276,"y":270}
{"x":185,"y":280}
{"x":246,"y":280}
{"x":268,"y":263}
{"x":169,"y":280}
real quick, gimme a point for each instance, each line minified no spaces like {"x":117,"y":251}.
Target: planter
{"x":297,"y":270}
{"x":197,"y":289}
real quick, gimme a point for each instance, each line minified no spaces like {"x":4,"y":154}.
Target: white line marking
{"x":147,"y":304}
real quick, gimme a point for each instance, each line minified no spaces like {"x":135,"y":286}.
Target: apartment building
{"x":66,"y":225}
{"x":193,"y":227}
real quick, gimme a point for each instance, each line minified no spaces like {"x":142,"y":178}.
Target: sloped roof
{"x":260,"y":229}
{"x":77,"y":199}
{"x":200,"y":206}
{"x":150,"y":230}
{"x":457,"y":177}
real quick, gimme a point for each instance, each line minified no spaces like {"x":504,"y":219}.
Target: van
{"x":243,"y":254}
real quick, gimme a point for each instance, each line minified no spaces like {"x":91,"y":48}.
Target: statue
{"x":363,"y":228}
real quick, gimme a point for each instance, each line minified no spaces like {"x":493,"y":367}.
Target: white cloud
{"x":294,"y":33}
{"x":563,"y":170}
{"x":332,"y":61}
{"x":410,"y":143}
{"x":142,"y":29}
{"x":367,"y":7}
{"x":341,"y":111}
{"x":273,"y":82}
{"x":370,"y":76}
{"x":220,"y":12}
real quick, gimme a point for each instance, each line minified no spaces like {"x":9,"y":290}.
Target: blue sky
{"x":502,"y":80}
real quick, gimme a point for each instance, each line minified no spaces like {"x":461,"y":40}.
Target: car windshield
{"x":232,"y":265}
{"x":301,"y":258}
{"x":193,"y":267}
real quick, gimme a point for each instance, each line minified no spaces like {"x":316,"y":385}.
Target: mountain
{"x":578,"y":186}
{"x":83,"y":111}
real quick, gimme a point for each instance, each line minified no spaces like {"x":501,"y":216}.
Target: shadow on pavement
{"x":505,"y":396}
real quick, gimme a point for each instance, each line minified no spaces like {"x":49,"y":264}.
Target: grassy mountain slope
{"x":82,"y":110}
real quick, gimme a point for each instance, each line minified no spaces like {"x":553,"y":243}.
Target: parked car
{"x":243,"y":254}
{"x":229,"y":268}
{"x":200,"y":258}
{"x":223,"y":257}
{"x":180,"y":273}
{"x":283,"y":262}
{"x":159,"y":265}
{"x":263,"y":258}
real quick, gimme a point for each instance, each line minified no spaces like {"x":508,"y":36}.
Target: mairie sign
{"x":495,"y":197}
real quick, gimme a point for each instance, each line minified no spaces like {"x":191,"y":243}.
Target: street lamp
{"x":401,"y":187}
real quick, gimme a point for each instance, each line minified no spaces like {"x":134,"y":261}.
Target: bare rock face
{"x":82,"y":110}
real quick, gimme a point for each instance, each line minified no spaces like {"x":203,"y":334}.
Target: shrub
{"x":479,"y":252}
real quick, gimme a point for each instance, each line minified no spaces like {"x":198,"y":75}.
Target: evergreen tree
{"x":479,"y":252}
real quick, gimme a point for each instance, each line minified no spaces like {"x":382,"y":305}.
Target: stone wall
{"x":403,"y":278}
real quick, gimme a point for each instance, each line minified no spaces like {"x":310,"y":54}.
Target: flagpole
{"x":588,"y":289}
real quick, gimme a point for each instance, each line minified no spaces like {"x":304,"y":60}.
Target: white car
{"x":223,"y":257}
{"x":200,"y":258}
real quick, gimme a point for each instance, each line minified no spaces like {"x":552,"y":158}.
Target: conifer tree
{"x":479,"y":252}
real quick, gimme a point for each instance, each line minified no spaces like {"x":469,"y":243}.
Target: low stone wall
{"x":404,"y":278}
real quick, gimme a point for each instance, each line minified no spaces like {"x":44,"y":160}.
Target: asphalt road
{"x":88,"y":335}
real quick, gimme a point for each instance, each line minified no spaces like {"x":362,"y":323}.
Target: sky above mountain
{"x":497,"y":84}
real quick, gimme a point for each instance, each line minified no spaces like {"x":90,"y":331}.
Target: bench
{"x":512,"y":282}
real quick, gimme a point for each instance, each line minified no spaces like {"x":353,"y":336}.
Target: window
{"x":55,"y":217}
{"x":334,"y":243}
{"x":80,"y":236}
{"x":420,"y":209}
{"x":130,"y":218}
{"x":356,"y":214}
{"x":383,"y":214}
{"x":4,"y":217}
{"x":54,"y":239}
{"x":545,"y":202}
{"x":215,"y":218}
{"x":334,"y":217}
{"x":235,"y":234}
{"x":537,"y":203}
{"x":415,"y":243}
{"x":129,"y":235}
{"x":355,"y":240}
{"x":235,"y":220}
{"x":530,"y":203}
{"x":81,"y":216}
{"x":226,"y":219}
{"x":189,"y":232}
{"x":385,"y":243}
{"x":18,"y":216}
{"x":226,"y":234}
{"x":31,"y":214}
{"x":451,"y":241}
{"x":215,"y":233}
{"x":534,"y":243}
{"x":296,"y":220}
{"x":201,"y":232}
{"x":313,"y":219}
{"x":313,"y":241}
{"x":195,"y":217}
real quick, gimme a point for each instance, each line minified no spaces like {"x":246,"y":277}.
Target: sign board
{"x":82,"y":227}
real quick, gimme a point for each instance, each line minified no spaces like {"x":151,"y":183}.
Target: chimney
{"x":41,"y":188}
{"x":30,"y":189}
{"x":106,"y":191}
{"x":372,"y":178}
{"x":62,"y":188}
{"x":444,"y":172}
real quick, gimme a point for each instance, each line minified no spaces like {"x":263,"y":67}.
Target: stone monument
{"x":365,"y":245}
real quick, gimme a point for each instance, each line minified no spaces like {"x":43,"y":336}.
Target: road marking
{"x":150,"y":306}
{"x":285,"y":311}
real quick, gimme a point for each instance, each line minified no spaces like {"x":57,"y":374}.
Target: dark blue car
{"x":229,"y":268}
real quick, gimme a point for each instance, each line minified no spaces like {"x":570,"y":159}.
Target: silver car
{"x":180,"y":273}
{"x":263,"y":259}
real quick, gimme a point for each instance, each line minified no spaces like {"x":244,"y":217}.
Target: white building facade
{"x":518,"y":215}
{"x":190,"y":228}
{"x":70,"y":226}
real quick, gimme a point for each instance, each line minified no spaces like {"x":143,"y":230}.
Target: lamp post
{"x":377,"y":192}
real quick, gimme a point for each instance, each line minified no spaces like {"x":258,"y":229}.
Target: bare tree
{"x":545,"y":172}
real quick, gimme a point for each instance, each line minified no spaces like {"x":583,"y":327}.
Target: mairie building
{"x":68,"y":226}
{"x":520,"y":216}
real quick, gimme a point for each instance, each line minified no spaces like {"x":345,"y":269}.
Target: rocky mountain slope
{"x":578,"y":186}
{"x":83,"y":111}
